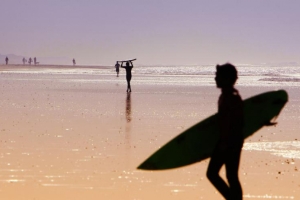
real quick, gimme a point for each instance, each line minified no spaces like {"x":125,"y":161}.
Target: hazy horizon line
{"x":65,"y":59}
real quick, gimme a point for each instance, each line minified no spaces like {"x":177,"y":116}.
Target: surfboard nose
{"x":279,"y":101}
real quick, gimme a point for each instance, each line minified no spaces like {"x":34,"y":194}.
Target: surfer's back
{"x":230,"y":117}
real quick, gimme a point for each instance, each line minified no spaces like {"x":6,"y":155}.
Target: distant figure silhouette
{"x":6,"y":60}
{"x":229,"y":146}
{"x":24,"y":61}
{"x":128,"y":69}
{"x":117,"y":66}
{"x":34,"y":60}
{"x":30,"y":61}
{"x":74,"y":62}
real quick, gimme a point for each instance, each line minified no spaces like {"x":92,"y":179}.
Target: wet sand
{"x":73,"y":136}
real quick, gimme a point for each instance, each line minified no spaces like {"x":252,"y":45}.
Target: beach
{"x":74,"y":133}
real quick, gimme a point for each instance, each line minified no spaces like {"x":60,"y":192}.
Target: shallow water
{"x":284,"y":75}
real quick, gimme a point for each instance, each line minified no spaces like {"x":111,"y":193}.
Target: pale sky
{"x":178,"y":32}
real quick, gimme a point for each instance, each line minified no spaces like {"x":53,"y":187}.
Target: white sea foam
{"x":202,"y":75}
{"x":286,"y":149}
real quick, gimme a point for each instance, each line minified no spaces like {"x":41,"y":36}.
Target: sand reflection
{"x":266,"y":196}
{"x":128,"y":120}
{"x":128,"y":107}
{"x":78,"y":139}
{"x":286,"y":149}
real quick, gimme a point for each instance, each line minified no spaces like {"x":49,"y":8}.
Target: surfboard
{"x":127,"y":60}
{"x":197,"y":143}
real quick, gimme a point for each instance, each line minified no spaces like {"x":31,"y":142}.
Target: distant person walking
{"x":230,"y":124}
{"x":74,"y":62}
{"x":128,"y":69}
{"x":34,"y":60}
{"x":30,"y":61}
{"x":6,"y":60}
{"x":117,"y":66}
{"x":24,"y":61}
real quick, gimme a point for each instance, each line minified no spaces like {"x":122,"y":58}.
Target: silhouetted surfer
{"x":229,"y":146}
{"x":74,"y":62}
{"x":6,"y":60}
{"x":117,"y":66}
{"x":128,"y":69}
{"x":29,"y":61}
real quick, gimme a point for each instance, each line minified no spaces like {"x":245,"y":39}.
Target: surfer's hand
{"x":270,"y":123}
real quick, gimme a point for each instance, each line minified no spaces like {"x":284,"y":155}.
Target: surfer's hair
{"x":228,"y":71}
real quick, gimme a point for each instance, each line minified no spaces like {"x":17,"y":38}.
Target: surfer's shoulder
{"x":236,"y":95}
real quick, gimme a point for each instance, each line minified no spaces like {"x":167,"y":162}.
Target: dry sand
{"x":66,"y":136}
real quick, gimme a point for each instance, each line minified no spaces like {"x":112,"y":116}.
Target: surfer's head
{"x":226,"y":75}
{"x":127,"y":64}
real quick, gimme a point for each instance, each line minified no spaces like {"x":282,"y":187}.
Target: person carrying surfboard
{"x":128,"y":69}
{"x":230,"y":124}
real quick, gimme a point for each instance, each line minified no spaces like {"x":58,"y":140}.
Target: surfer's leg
{"x":232,"y":169}
{"x":128,"y":78}
{"x":215,"y":164}
{"x":128,"y":83}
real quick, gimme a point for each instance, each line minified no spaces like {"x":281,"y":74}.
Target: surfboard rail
{"x":126,"y":60}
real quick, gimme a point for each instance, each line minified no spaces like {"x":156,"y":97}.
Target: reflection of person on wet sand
{"x":128,"y":120}
{"x":128,"y":69}
{"x":229,"y":146}
{"x":128,"y":108}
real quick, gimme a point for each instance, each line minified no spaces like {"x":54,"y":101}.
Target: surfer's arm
{"x":122,"y":65}
{"x":131,"y":65}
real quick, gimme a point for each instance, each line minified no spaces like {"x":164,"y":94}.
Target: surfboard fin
{"x":270,"y":123}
